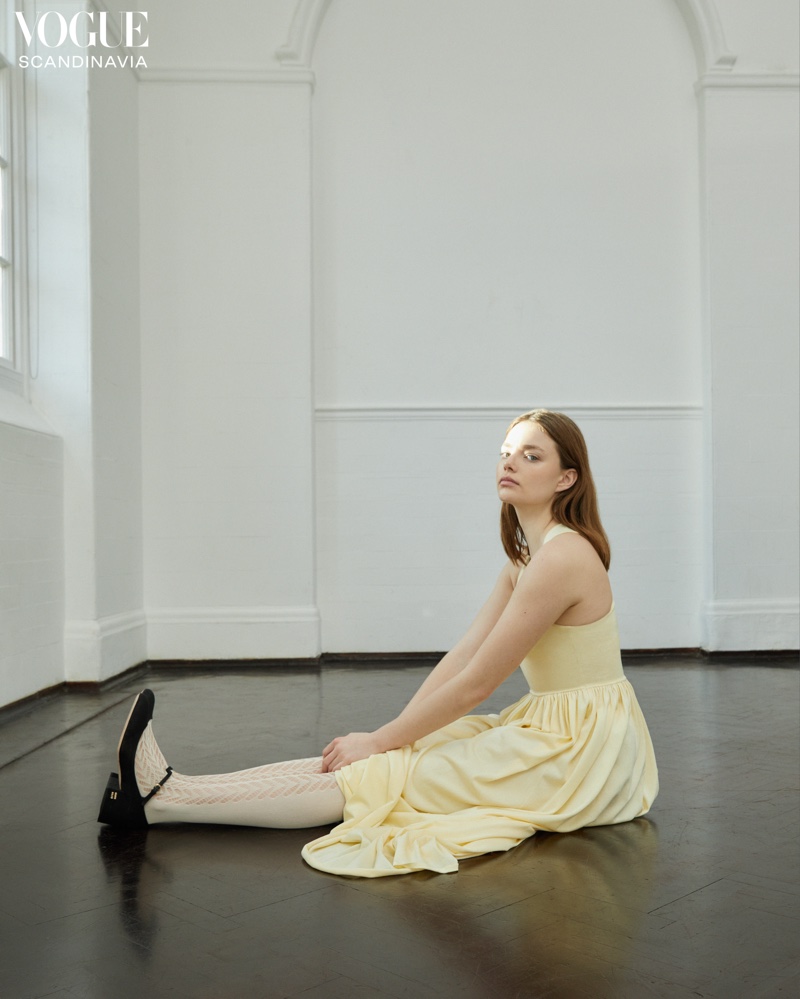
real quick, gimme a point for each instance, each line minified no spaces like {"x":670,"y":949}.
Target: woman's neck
{"x":535,"y":524}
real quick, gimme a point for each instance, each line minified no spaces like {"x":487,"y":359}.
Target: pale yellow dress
{"x":575,"y":751}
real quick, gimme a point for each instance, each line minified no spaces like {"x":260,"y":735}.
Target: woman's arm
{"x":547,"y":588}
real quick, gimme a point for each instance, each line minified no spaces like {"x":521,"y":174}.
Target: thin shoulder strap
{"x":552,"y":533}
{"x":555,"y":531}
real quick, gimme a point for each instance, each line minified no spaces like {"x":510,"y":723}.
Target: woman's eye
{"x":504,"y":454}
{"x":532,"y":457}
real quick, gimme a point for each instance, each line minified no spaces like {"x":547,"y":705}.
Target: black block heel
{"x":120,"y":809}
{"x":122,"y":804}
{"x":126,"y":808}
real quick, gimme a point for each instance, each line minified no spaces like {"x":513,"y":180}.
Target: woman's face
{"x":529,"y":471}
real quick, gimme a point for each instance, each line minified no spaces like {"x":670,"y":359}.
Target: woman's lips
{"x":507,"y":482}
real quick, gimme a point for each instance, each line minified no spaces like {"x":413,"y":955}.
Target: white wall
{"x":31,"y":559}
{"x":499,"y":189}
{"x":226,"y":326}
{"x":116,"y":381}
{"x":505,"y":217}
{"x":750,"y":179}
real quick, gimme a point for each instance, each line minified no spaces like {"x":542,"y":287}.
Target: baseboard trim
{"x":25,"y":704}
{"x":742,"y":625}
{"x":379,"y":658}
{"x":232,"y":633}
{"x":70,"y":687}
{"x":95,"y":651}
{"x":236,"y":665}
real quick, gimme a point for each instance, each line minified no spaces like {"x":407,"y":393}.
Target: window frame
{"x":14,"y":332}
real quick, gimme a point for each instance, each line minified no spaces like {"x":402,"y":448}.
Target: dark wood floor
{"x":700,"y":899}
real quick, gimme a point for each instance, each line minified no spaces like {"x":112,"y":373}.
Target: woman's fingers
{"x":343,"y":750}
{"x":329,"y":756}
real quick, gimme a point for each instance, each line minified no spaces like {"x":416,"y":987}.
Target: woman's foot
{"x":123,"y":803}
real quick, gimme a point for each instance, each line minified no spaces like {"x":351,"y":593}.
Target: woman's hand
{"x":347,"y":749}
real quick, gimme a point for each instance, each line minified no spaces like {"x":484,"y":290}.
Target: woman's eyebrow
{"x":526,"y":447}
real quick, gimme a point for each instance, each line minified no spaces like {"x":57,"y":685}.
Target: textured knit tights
{"x":291,"y":795}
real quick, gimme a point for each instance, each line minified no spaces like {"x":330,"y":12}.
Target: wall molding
{"x":701,"y":17}
{"x":104,"y":627}
{"x":298,"y":48}
{"x":707,"y":35}
{"x":747,"y":625}
{"x":94,"y":651}
{"x":715,"y":61}
{"x":232,"y":615}
{"x":371,"y":414}
{"x":748,"y":81}
{"x":97,"y":650}
{"x":229,"y":74}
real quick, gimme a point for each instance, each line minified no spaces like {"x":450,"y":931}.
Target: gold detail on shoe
{"x":113,"y":795}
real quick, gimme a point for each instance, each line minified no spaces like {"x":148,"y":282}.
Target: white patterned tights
{"x":291,"y":795}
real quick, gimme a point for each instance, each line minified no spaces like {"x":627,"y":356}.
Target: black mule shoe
{"x":122,"y":804}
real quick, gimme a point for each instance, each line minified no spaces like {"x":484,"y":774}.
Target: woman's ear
{"x":569,"y":478}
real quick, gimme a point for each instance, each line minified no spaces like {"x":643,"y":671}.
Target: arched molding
{"x":701,"y":17}
{"x":298,"y":48}
{"x":708,"y":38}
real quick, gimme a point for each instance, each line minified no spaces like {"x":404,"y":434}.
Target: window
{"x":11,"y":213}
{"x":6,"y":272}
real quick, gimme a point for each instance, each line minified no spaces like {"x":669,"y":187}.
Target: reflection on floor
{"x":701,"y":898}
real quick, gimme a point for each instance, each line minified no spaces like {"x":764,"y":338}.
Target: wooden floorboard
{"x":699,"y":899}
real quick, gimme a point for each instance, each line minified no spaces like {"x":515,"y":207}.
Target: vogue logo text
{"x":86,"y":29}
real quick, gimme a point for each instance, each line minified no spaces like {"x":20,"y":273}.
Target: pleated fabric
{"x":573,"y":752}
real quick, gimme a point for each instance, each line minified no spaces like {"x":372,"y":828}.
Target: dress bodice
{"x":569,"y":656}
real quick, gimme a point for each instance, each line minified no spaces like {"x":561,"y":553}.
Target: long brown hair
{"x":576,"y":506}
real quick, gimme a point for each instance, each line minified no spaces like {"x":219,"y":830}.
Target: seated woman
{"x":436,"y":784}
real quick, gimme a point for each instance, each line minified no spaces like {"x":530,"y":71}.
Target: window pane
{"x":5,"y":206}
{"x":5,"y":210}
{"x":5,"y":226}
{"x":5,"y":113}
{"x":5,"y":323}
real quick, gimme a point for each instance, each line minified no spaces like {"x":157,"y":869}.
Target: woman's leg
{"x":290,"y":795}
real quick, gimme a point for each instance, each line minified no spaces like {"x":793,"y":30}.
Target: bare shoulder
{"x":568,"y":550}
{"x":570,"y":565}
